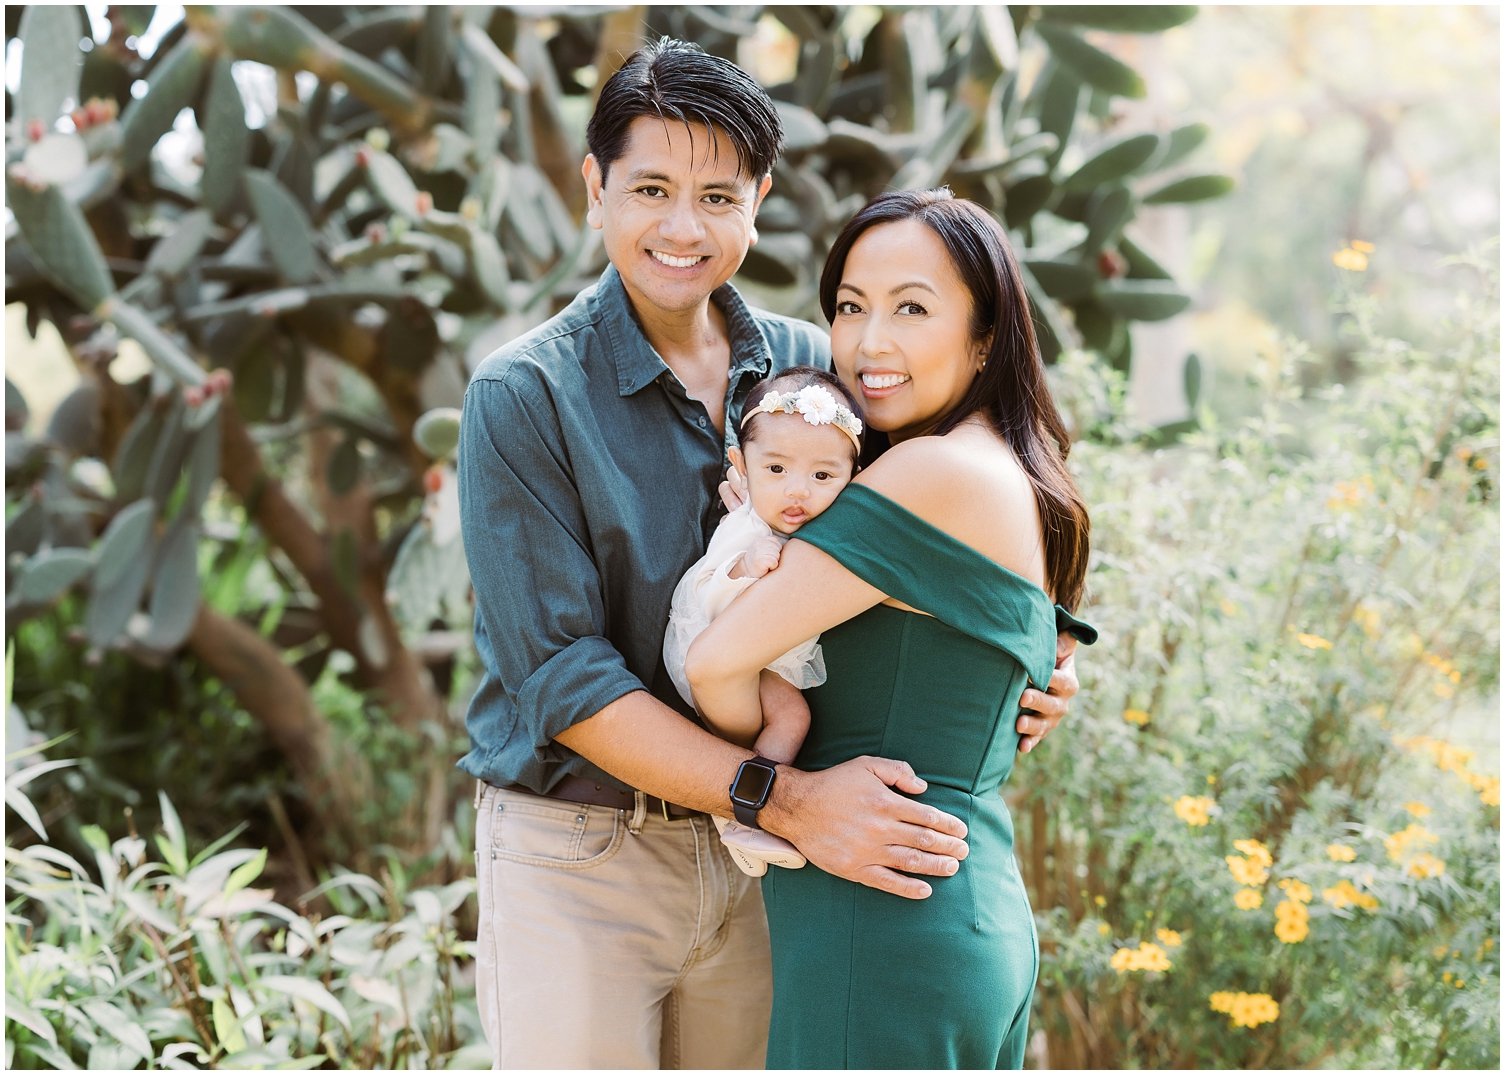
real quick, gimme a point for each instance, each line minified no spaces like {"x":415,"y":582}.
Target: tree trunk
{"x":272,"y":692}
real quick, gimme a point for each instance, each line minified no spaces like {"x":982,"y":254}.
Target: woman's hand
{"x":1042,"y":712}
{"x":847,"y":821}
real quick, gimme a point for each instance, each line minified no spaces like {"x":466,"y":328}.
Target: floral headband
{"x":815,"y":405}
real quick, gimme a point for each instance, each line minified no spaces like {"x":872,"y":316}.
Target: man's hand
{"x":734,"y":490}
{"x":846,"y":821}
{"x":1042,"y":712}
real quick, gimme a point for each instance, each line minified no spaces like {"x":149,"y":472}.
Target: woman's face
{"x":902,"y":336}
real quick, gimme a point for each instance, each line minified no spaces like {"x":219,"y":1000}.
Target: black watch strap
{"x":750,"y":789}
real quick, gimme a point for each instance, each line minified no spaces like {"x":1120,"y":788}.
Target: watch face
{"x":752,"y":784}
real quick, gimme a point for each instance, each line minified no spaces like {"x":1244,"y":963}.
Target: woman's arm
{"x":808,"y":594}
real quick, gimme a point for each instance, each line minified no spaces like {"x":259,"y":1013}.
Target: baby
{"x":800,"y":439}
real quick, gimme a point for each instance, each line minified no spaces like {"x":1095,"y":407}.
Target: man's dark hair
{"x":676,"y":80}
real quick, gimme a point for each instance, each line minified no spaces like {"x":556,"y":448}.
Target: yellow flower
{"x":1291,"y":931}
{"x":1400,"y":845}
{"x":1136,"y":716}
{"x":1459,"y":983}
{"x":1344,"y":894}
{"x":1489,"y":790}
{"x":1245,"y":1009}
{"x":1439,"y":664}
{"x":1416,"y":809}
{"x":1169,"y":937}
{"x":1212,"y":779}
{"x":1103,"y":929}
{"x":1291,"y":922}
{"x":1248,"y":899}
{"x":1100,"y":901}
{"x":1314,"y":641}
{"x":1368,"y":620}
{"x":1194,"y":810}
{"x":1443,"y":689}
{"x":1426,"y":865}
{"x":1440,"y":951}
{"x":1361,"y":246}
{"x":1147,"y":957}
{"x":1447,"y":977}
{"x":1341,"y":853}
{"x":1480,"y":463}
{"x":1257,"y":852}
{"x":1295,"y":890}
{"x":1350,"y":494}
{"x":1351,"y":260}
{"x":1228,"y":607}
{"x":1246,"y":872}
{"x":1253,"y":870}
{"x":1451,"y":759}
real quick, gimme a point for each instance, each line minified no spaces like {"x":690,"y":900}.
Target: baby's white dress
{"x":705,"y":591}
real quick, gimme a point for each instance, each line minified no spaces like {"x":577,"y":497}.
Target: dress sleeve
{"x":538,"y":593}
{"x":1081,"y":630}
{"x":891,"y":548}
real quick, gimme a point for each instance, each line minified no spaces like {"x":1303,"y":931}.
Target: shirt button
{"x":702,"y":421}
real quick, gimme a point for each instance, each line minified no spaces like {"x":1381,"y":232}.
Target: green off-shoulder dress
{"x":863,"y":978}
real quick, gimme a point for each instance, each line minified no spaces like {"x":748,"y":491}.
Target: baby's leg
{"x":786,"y":718}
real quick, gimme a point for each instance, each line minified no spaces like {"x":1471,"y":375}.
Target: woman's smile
{"x":877,"y":383}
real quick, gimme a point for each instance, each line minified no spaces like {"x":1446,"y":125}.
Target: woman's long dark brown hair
{"x":1011,"y":390}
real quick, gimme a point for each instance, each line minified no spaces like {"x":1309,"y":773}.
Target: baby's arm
{"x":761,"y":557}
{"x":786,"y":718}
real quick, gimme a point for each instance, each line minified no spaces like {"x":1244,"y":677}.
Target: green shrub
{"x":150,"y":956}
{"x":1283,"y":780}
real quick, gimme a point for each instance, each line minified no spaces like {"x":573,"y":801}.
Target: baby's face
{"x":794,"y":469}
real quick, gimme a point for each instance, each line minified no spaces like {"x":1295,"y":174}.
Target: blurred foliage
{"x":1376,"y":125}
{"x":150,"y":952}
{"x":313,"y":221}
{"x":1273,"y":839}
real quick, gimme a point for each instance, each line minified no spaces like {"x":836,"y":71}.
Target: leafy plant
{"x":160,"y":956}
{"x":1272,"y":840}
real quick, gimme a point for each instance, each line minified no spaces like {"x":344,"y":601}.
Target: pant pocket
{"x":544,"y":832}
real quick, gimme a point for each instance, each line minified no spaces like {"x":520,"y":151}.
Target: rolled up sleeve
{"x":540,"y":610}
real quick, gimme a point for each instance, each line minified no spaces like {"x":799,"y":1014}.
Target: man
{"x":614,"y":931}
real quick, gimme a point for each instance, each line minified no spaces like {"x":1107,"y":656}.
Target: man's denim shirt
{"x":587,"y":488}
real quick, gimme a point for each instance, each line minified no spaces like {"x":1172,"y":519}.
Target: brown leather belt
{"x":581,"y":789}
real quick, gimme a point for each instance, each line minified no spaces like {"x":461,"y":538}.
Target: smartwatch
{"x":750,"y":789}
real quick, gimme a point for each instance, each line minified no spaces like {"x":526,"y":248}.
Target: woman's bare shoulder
{"x":970,"y":485}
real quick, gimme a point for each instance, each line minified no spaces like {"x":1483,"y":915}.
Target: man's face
{"x":675,"y":212}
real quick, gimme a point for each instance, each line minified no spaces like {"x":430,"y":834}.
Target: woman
{"x":931,"y":581}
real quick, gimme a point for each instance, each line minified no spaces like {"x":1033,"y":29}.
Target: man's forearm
{"x":645,"y":744}
{"x":846,"y":819}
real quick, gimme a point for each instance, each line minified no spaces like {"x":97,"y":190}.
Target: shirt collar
{"x":639,"y":365}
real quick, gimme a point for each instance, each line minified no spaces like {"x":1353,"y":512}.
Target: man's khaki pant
{"x":615,"y":939}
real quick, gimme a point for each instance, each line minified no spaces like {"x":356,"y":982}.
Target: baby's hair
{"x":792,"y":380}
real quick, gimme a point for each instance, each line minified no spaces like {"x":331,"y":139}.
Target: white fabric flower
{"x":816,"y":404}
